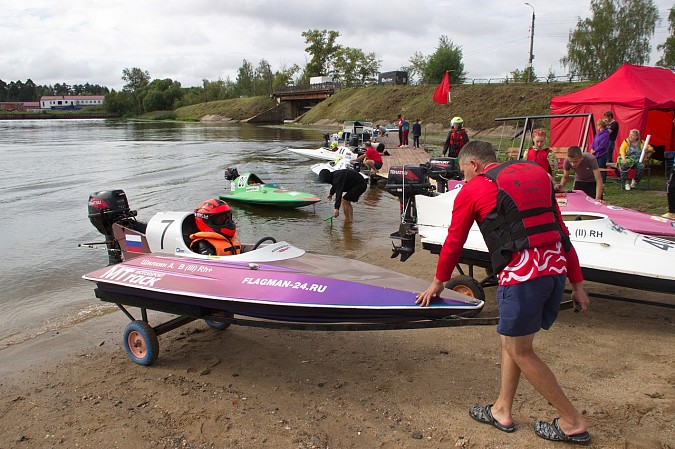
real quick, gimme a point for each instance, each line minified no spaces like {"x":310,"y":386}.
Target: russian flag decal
{"x":134,"y":243}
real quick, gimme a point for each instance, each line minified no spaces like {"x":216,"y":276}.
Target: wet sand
{"x":263,"y":388}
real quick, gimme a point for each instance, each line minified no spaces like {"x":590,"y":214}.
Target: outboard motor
{"x":404,"y":182}
{"x":442,"y":170}
{"x":105,"y":209}
{"x":231,"y":173}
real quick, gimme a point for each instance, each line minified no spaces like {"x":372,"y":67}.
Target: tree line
{"x":29,"y":91}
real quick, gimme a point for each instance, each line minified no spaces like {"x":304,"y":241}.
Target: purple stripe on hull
{"x":210,"y":280}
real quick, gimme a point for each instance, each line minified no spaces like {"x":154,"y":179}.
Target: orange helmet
{"x":214,"y":215}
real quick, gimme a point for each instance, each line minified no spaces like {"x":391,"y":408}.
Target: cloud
{"x":77,"y":41}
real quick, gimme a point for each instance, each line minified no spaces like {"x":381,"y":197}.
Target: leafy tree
{"x":353,"y":67}
{"x":159,"y":95}
{"x":418,"y":63}
{"x":245,"y":76}
{"x":520,"y":76}
{"x":617,"y":32}
{"x":448,"y":56}
{"x":323,"y":49}
{"x":668,"y":47}
{"x":123,"y":103}
{"x":263,"y":77}
{"x":284,"y":76}
{"x":135,"y":79}
{"x":3,"y":90}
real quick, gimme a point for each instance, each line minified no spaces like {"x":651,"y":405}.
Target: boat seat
{"x":189,"y":227}
{"x":253,"y":180}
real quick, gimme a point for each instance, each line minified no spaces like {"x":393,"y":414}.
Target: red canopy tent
{"x":641,"y":98}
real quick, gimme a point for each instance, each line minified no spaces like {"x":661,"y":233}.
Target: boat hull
{"x":324,"y":153}
{"x":608,"y":252}
{"x":310,"y":287}
{"x":248,"y":188}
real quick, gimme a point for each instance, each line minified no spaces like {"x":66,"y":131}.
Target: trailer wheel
{"x":468,"y":286}
{"x":140,"y":342}
{"x":218,"y":324}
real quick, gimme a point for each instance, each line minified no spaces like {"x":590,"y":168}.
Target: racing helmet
{"x":333,"y":145}
{"x":215,"y":215}
{"x":457,"y":121}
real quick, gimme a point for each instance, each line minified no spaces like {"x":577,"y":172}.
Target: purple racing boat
{"x":152,"y":267}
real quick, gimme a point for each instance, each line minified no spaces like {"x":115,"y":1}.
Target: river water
{"x":50,"y":167}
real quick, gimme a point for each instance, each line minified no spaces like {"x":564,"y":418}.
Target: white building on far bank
{"x":70,"y":101}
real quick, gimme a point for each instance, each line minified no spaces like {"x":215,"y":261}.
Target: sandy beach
{"x":263,"y":388}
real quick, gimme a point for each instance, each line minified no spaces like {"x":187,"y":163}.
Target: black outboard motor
{"x":442,"y":170}
{"x":105,"y":209}
{"x":231,"y":173}
{"x":404,"y":182}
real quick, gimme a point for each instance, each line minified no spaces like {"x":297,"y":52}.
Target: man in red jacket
{"x":515,"y":208}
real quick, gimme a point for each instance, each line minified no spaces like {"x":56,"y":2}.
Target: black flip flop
{"x":484,"y":415}
{"x":552,"y":431}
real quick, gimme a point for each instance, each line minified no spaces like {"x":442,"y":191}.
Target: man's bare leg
{"x":348,"y":211}
{"x":510,"y":377}
{"x":541,"y":377}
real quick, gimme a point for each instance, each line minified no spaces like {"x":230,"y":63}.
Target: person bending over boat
{"x":586,"y":173}
{"x":371,"y":158}
{"x":347,"y":181}
{"x":217,"y":234}
{"x":515,"y":208}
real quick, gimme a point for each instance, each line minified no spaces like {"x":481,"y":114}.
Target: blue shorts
{"x":527,"y":307}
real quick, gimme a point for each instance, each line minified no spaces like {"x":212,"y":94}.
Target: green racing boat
{"x":249,"y":188}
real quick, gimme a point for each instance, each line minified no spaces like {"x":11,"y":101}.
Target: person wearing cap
{"x":347,"y":185}
{"x":371,"y":158}
{"x":457,"y":138}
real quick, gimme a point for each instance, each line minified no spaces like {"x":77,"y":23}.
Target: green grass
{"x":234,"y":109}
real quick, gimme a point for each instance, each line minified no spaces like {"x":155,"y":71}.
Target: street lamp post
{"x":529,"y":64}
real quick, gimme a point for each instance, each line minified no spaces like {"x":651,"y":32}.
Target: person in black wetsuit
{"x":347,"y":182}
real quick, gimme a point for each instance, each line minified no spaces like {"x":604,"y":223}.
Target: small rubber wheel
{"x":140,"y":342}
{"x":218,"y":324}
{"x":468,"y":286}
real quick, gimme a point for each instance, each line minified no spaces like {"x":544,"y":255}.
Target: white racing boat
{"x":338,"y":164}
{"x":325,"y":153}
{"x":608,"y":252}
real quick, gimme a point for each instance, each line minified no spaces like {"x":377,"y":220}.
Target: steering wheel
{"x":262,"y":240}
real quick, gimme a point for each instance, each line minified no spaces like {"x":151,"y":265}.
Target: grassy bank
{"x":478,"y":105}
{"x":235,"y":109}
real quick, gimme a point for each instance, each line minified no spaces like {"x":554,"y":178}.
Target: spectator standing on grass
{"x":613,"y":127}
{"x":599,"y":147}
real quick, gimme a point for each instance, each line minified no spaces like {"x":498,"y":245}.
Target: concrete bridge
{"x":296,"y":100}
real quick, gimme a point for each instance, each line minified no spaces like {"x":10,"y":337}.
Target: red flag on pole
{"x":442,"y":92}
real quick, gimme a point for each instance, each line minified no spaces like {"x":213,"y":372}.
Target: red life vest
{"x":525,"y":215}
{"x":224,"y":246}
{"x":540,"y":157}
{"x":455,"y":142}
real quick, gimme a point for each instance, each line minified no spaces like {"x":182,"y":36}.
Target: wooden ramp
{"x":399,"y":155}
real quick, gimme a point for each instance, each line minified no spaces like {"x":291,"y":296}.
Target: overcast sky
{"x":77,"y":41}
